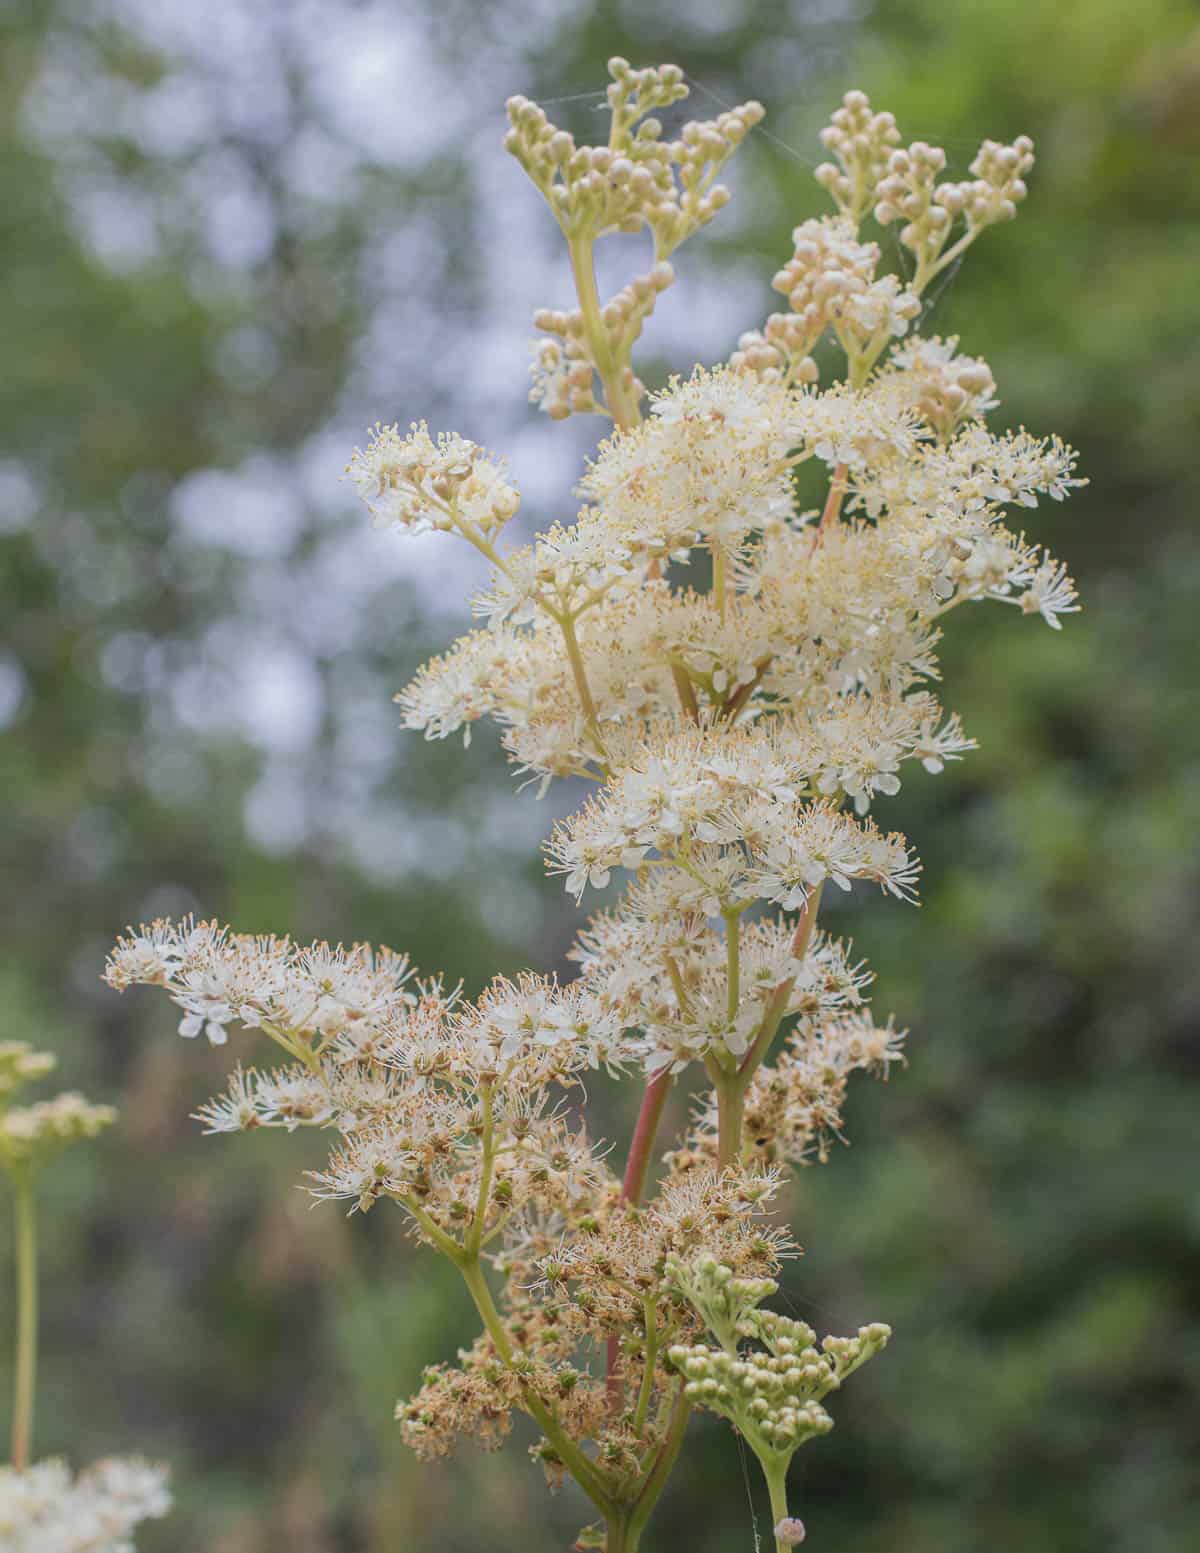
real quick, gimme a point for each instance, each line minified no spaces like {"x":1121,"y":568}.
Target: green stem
{"x":471,"y":1269}
{"x":733,"y":943}
{"x":27,"y":1320}
{"x":929,"y":271}
{"x":471,"y":533}
{"x":621,"y":403}
{"x":719,"y":586}
{"x":731,"y":1104}
{"x":576,"y":1463}
{"x":656,"y":1480}
{"x":647,"y":1387}
{"x":566,"y":624}
{"x":777,"y":1007}
{"x":474,"y":1237}
{"x":776,"y":1476}
{"x":681,"y":996}
{"x":436,"y":1236}
{"x":618,"y":1538}
{"x":685,"y":691}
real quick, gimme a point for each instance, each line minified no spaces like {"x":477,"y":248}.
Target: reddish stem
{"x":773,"y":1017}
{"x":644,"y":1134}
{"x":632,"y":1187}
{"x":833,"y":503}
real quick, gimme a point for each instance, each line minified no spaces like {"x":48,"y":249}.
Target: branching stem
{"x":618,"y":394}
{"x":571,"y":1456}
{"x":659,"y":1473}
{"x":777,"y":1007}
{"x":566,"y":623}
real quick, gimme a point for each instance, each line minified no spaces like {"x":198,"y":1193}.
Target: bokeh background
{"x":234,"y":234}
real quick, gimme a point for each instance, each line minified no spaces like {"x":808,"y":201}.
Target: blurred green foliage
{"x":1020,"y":1204}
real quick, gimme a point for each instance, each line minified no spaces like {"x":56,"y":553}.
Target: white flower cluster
{"x":743,"y":681}
{"x":304,"y":996}
{"x":711,"y":462}
{"x":46,"y":1510}
{"x":411,"y":482}
{"x":723,"y":822}
{"x":668,"y":980}
{"x":793,"y":1108}
{"x":804,"y":624}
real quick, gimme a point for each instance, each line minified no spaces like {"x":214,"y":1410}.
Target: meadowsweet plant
{"x":740,"y":682}
{"x":43,"y":1509}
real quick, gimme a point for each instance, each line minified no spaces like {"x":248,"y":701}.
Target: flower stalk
{"x":25,"y":1374}
{"x":741,"y":738}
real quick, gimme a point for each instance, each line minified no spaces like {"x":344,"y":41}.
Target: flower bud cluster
{"x":45,"y":1510}
{"x":929,"y":210}
{"x":830,"y":282}
{"x":564,"y":367}
{"x":771,"y":1393}
{"x":30,"y":1134}
{"x":764,"y":1397}
{"x":946,"y":389}
{"x":721,"y":1297}
{"x":862,"y":142}
{"x":781,"y":351}
{"x":21,"y":1065}
{"x":412,"y":482}
{"x":637,"y":179}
